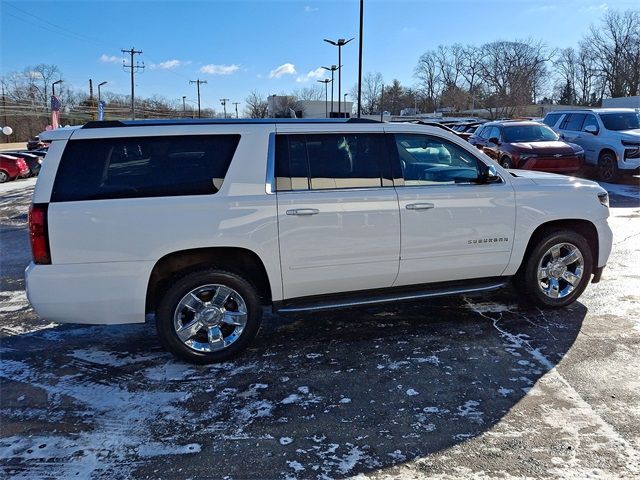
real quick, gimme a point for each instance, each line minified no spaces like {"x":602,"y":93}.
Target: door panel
{"x":352,"y":243}
{"x":468,"y":233}
{"x":451,"y":227}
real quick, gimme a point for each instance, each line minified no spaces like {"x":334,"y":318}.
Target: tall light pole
{"x":332,"y":70}
{"x":326,"y":82}
{"x":100,"y":85}
{"x":224,"y":101}
{"x":53,"y":87}
{"x":184,"y":106}
{"x":345,"y":104}
{"x":341,"y":42}
{"x":198,"y":82}
{"x":235,"y":104}
{"x":360,"y":56}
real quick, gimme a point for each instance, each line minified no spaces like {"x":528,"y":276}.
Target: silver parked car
{"x":610,"y":137}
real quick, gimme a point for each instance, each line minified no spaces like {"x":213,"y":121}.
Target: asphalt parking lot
{"x":470,"y":387}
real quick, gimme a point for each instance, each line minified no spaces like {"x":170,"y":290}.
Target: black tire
{"x":4,"y":176}
{"x":506,"y":162}
{"x":181,"y":287}
{"x":526,"y":280}
{"x":608,"y":168}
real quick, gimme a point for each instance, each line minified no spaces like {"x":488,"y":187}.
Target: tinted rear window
{"x":552,"y":118}
{"x":573,"y":122}
{"x":136,"y":167}
{"x":329,"y":161}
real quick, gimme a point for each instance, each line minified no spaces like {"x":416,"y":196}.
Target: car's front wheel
{"x":506,"y":162}
{"x":4,"y":176}
{"x":208,"y":316}
{"x":556,"y":270}
{"x":608,"y":168}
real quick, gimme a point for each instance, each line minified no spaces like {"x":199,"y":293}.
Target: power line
{"x":134,"y":69}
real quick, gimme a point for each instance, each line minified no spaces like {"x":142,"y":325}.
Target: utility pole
{"x":93,"y":115}
{"x":184,"y":106}
{"x":224,"y":101}
{"x":198,"y":82}
{"x":236,"y":105}
{"x":134,"y":68}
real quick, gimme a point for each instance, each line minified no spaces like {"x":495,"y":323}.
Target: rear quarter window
{"x":135,"y":167}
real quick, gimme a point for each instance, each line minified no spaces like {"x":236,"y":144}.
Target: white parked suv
{"x":610,"y":138}
{"x":206,"y":222}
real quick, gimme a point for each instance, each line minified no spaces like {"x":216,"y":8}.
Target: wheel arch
{"x":584,"y":227}
{"x":237,"y":260}
{"x":607,"y":149}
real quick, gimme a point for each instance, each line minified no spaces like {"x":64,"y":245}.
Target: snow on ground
{"x":17,"y":184}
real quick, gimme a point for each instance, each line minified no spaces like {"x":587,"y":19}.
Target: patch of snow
{"x":285,"y":440}
{"x":19,"y":184}
{"x":504,"y":391}
{"x":468,"y":410}
{"x":296,"y":466}
{"x":345,"y":400}
{"x":411,"y":392}
{"x":13,"y":301}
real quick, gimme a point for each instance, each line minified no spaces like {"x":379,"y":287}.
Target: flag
{"x":101,"y":105}
{"x":56,"y":104}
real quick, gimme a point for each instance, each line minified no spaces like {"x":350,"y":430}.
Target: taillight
{"x":39,"y":233}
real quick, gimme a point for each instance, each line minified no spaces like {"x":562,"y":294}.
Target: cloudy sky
{"x":270,"y":46}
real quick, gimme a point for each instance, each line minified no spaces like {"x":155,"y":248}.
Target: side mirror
{"x":494,"y":140}
{"x":592,"y":129}
{"x":488,"y":174}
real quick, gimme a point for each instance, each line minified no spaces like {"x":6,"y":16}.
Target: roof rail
{"x":218,"y":121}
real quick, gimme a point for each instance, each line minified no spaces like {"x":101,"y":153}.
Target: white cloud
{"x":170,"y":64}
{"x":284,"y":69}
{"x":316,"y":74}
{"x":109,"y":58}
{"x":212,"y":69}
{"x":309,"y":9}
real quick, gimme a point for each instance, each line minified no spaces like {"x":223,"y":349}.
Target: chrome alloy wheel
{"x":560,"y":270}
{"x":210,"y":318}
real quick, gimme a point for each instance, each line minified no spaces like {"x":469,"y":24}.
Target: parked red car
{"x":12,"y":168}
{"x":528,"y":145}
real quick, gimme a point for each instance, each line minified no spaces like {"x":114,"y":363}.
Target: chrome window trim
{"x":270,"y":182}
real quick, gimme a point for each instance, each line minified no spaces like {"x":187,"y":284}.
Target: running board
{"x":375,"y":297}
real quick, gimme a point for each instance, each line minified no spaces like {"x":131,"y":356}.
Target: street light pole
{"x":236,"y":105}
{"x":345,"y":104}
{"x":100,"y":85}
{"x":360,"y":56}
{"x":53,"y":87}
{"x":332,"y":70}
{"x":326,"y":82}
{"x":341,"y":42}
{"x":184,"y":106}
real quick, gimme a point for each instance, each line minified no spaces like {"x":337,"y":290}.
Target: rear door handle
{"x":303,"y":211}
{"x":420,"y":206}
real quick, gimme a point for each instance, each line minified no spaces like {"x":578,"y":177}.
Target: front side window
{"x":329,"y":161}
{"x":590,"y":121}
{"x":135,"y":167}
{"x":529,"y":133}
{"x":573,"y":122}
{"x":621,"y":121}
{"x":428,"y":160}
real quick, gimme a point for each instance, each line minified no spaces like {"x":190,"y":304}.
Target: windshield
{"x":621,"y":121}
{"x":529,"y":133}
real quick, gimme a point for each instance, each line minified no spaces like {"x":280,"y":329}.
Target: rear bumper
{"x":90,"y":293}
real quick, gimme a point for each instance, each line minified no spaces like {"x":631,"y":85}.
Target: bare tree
{"x":615,"y":47}
{"x":256,"y":105}
{"x":372,"y":84}
{"x":310,"y":93}
{"x":430,"y":83}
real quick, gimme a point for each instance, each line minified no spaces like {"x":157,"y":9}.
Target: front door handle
{"x":420,"y":206}
{"x":303,"y":211}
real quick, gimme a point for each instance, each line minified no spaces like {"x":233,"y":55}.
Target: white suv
{"x":610,"y":138}
{"x":205,"y":222}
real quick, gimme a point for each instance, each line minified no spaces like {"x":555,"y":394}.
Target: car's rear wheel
{"x":557,"y":269}
{"x":4,"y":176}
{"x":608,"y":167}
{"x":208,"y":316}
{"x":506,"y":162}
